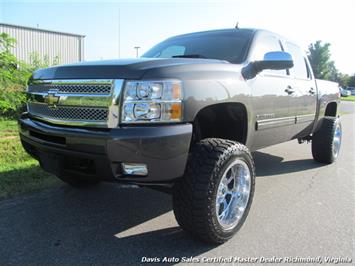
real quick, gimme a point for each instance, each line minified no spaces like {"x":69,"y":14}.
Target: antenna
{"x":119,"y":32}
{"x":237,"y":25}
{"x":137,"y":48}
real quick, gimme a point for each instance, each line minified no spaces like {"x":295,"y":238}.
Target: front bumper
{"x":97,"y":152}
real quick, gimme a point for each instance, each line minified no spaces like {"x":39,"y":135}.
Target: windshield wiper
{"x":189,"y":56}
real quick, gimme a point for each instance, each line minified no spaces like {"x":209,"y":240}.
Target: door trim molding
{"x":275,"y":122}
{"x":283,"y":121}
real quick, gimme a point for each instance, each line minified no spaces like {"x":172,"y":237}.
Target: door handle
{"x":289,"y":90}
{"x":312,"y":91}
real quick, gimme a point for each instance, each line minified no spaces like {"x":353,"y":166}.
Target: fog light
{"x":134,"y":169}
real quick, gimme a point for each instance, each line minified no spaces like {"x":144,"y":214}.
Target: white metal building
{"x":68,"y":47}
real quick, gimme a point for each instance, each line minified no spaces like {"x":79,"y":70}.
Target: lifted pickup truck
{"x":183,"y":118}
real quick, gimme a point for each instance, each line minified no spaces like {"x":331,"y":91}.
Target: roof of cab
{"x":217,"y":32}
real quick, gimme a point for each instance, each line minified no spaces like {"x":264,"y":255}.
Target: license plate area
{"x":80,"y":165}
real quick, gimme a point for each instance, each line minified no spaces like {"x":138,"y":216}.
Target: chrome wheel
{"x":233,"y":194}
{"x":337,"y":140}
{"x":213,"y":198}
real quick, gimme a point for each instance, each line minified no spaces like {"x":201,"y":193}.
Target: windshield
{"x":230,"y":45}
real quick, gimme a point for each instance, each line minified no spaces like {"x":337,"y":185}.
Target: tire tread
{"x":322,"y":141}
{"x":193,"y":192}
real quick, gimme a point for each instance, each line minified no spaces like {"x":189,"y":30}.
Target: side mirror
{"x":274,"y":60}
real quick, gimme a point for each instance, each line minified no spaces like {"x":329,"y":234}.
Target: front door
{"x":270,"y":99}
{"x":303,"y":104}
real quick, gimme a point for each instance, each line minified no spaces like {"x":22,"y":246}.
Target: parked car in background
{"x":351,"y":89}
{"x":344,"y":92}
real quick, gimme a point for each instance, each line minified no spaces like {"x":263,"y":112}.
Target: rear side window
{"x":299,"y":69}
{"x":265,"y":44}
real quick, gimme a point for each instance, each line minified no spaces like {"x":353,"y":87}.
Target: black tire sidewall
{"x":194,"y":197}
{"x":219,"y":229}
{"x":323,"y":141}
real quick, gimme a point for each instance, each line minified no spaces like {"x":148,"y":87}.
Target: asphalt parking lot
{"x":301,"y":209}
{"x":347,"y":107}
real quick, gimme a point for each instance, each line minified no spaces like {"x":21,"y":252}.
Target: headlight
{"x":152,"y":101}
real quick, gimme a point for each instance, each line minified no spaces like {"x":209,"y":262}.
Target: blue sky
{"x":144,"y":23}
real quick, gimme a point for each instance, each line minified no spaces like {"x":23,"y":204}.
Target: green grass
{"x":349,"y":98}
{"x":19,"y":173}
{"x":8,"y":128}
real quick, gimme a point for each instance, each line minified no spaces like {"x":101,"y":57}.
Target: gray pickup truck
{"x":183,"y":119}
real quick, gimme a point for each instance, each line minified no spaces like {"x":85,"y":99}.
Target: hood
{"x":115,"y":69}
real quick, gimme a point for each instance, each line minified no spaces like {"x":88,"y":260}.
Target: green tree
{"x":343,"y":80}
{"x":37,"y":62}
{"x":14,"y":75}
{"x":351,"y":82}
{"x":6,"y":42}
{"x":320,"y":58}
{"x":8,"y":62}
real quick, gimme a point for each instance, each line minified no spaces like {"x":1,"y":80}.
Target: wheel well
{"x":225,"y":120}
{"x":331,"y":109}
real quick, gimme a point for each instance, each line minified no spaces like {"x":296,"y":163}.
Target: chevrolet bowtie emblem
{"x":51,"y":99}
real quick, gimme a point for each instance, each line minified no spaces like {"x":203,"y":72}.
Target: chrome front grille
{"x":69,"y":113}
{"x":93,"y":103}
{"x":72,"y":88}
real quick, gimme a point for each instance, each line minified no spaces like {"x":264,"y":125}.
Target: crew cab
{"x":184,"y":118}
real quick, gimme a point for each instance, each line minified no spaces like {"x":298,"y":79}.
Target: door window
{"x":299,"y":69}
{"x":264,"y":45}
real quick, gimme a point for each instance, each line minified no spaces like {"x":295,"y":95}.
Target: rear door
{"x":303,"y":102}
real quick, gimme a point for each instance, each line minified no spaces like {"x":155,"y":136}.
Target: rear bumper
{"x":92,"y":152}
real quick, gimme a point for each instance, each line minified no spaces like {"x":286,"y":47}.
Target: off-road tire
{"x":323,"y":141}
{"x":195,"y":193}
